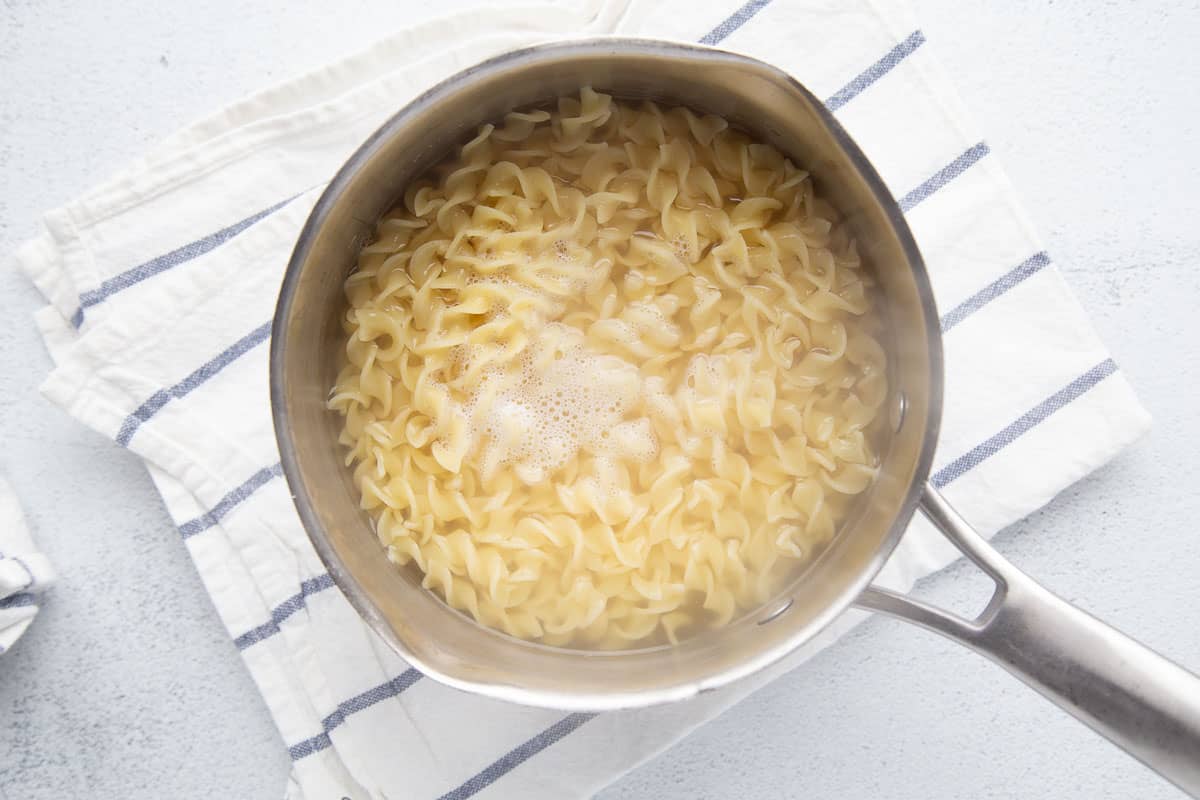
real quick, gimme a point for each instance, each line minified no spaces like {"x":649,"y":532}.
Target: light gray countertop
{"x":127,"y":686}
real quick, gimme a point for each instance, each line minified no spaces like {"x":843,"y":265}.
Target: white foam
{"x":558,"y":400}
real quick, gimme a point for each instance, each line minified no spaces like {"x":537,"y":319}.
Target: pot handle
{"x":1136,"y":698}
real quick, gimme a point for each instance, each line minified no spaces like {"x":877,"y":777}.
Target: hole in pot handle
{"x":1135,"y":697}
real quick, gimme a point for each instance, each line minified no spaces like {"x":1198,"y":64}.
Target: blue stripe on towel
{"x":518,"y":755}
{"x":944,"y":175}
{"x":1028,"y":267}
{"x":19,"y":600}
{"x":370,"y":697}
{"x":166,"y":261}
{"x":876,"y":71}
{"x":1060,"y":399}
{"x":385,"y":691}
{"x":734,"y":21}
{"x":284,"y":610}
{"x":160,"y":398}
{"x":309,"y":746}
{"x":230,"y":501}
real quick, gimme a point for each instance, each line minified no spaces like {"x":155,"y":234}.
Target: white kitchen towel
{"x":24,"y":572}
{"x":162,"y":284}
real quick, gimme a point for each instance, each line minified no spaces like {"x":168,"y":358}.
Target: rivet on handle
{"x":776,"y":612}
{"x":899,"y":409}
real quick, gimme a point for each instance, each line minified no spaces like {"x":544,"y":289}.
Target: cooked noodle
{"x":610,"y":374}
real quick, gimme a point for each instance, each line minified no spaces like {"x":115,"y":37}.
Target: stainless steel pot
{"x":1136,"y":698}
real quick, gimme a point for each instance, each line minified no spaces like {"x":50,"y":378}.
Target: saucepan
{"x":1135,"y":697}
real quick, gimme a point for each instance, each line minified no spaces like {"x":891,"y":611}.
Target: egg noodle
{"x":610,"y":374}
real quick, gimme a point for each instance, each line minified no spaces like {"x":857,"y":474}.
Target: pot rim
{"x":614,"y":47}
